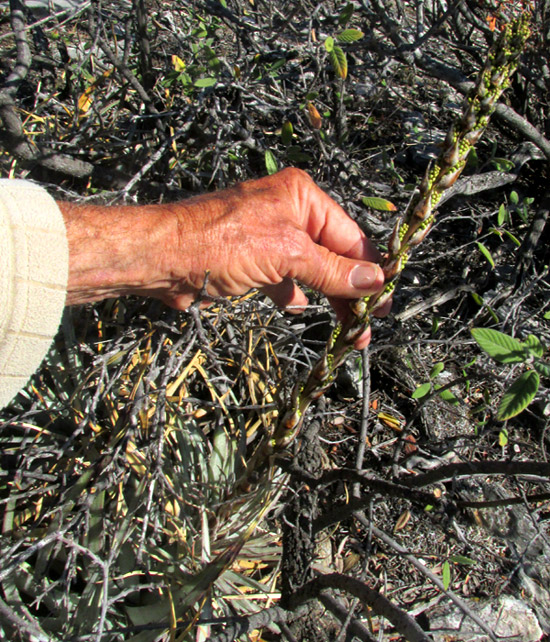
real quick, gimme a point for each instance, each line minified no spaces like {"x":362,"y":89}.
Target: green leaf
{"x":296,"y":155}
{"x":329,"y":44}
{"x":346,"y":14}
{"x":437,"y":369}
{"x":447,"y":395}
{"x":475,"y":296}
{"x":501,"y":347}
{"x":502,"y":214}
{"x":503,"y":438}
{"x":546,"y":315}
{"x":205,"y":82}
{"x":485,"y":253}
{"x":513,"y":238}
{"x":349,"y":35}
{"x":534,"y":346}
{"x":311,"y":95}
{"x":446,"y":575}
{"x":270,"y":162}
{"x":422,"y":390}
{"x":287,"y":131}
{"x":503,"y":164}
{"x":542,"y":368}
{"x":514,"y":198}
{"x":462,"y":559}
{"x":339,"y":62}
{"x":378,"y":203}
{"x":519,"y":395}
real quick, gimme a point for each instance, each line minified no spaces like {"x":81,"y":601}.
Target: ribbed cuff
{"x":34,"y":266}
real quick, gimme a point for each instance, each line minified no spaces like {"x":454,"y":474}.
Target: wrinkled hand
{"x":263,"y":234}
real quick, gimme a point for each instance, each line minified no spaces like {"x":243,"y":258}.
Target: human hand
{"x":259,"y":234}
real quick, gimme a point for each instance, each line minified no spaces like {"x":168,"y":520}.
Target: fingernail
{"x":364,"y":276}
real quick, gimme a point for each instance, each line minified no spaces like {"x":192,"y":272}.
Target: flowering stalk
{"x":413,"y":226}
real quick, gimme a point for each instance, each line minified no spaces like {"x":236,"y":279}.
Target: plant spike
{"x":409,"y":230}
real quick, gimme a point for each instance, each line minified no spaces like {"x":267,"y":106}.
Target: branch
{"x":355,"y":628}
{"x":402,"y":622}
{"x":467,"y":469}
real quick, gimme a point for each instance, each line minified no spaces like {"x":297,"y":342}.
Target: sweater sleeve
{"x":34,"y":262}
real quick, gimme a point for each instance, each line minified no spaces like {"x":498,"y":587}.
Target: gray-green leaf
{"x":446,"y":575}
{"x":270,"y":162}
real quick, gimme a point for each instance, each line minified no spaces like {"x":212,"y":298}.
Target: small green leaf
{"x":346,"y":14}
{"x":437,"y":369}
{"x":546,"y":315}
{"x":447,"y":396}
{"x":542,"y":368}
{"x":514,"y":198}
{"x":513,"y":238}
{"x":296,"y":155}
{"x":339,"y":62}
{"x":349,"y":35}
{"x":519,"y":395}
{"x":270,"y":162}
{"x":422,"y":390}
{"x":312,"y":95}
{"x":287,"y":131}
{"x":503,"y":438}
{"x":205,"y":82}
{"x":502,"y":214}
{"x":503,"y":164}
{"x":329,"y":44}
{"x":462,"y":559}
{"x":378,"y":203}
{"x":534,"y":346}
{"x":475,"y":296}
{"x":446,"y":575}
{"x":485,"y":253}
{"x":499,"y":346}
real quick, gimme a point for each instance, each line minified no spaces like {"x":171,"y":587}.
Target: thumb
{"x":339,"y":276}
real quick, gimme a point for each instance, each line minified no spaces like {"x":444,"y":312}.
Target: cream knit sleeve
{"x":34,"y":261}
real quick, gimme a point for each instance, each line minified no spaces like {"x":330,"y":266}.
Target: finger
{"x":327,"y":223}
{"x":288,"y":295}
{"x":334,"y":275}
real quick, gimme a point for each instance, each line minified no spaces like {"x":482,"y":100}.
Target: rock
{"x":507,"y":616}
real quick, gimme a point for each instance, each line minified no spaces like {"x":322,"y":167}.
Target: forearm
{"x":116,"y":251}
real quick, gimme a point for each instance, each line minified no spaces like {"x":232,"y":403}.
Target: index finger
{"x":328,"y":224}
